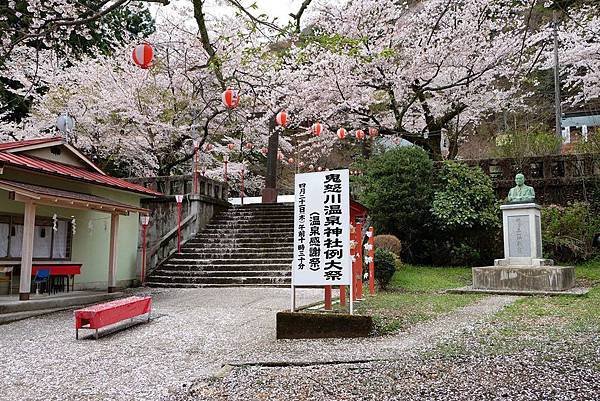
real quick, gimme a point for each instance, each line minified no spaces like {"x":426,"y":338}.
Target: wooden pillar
{"x":359,"y":262}
{"x":371,"y":255}
{"x":27,"y":251}
{"x":342,"y":295}
{"x":328,"y":305}
{"x":112,"y":256}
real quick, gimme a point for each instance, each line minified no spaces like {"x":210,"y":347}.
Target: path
{"x":418,"y":338}
{"x":193,"y":334}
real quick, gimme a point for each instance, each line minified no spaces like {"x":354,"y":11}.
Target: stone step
{"x":63,"y":301}
{"x":233,"y":235}
{"x":262,"y":206}
{"x":223,"y":273}
{"x":248,"y":230}
{"x":220,"y":280}
{"x":168,"y":266}
{"x":16,"y":316}
{"x":267,"y":222}
{"x":179,"y":260}
{"x":203,"y":250}
{"x":258,"y":226}
{"x":247,"y":241}
{"x":190,"y":285}
{"x":274,"y":210}
{"x":234,"y":254}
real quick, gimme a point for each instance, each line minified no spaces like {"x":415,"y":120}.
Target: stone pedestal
{"x":524,"y":278}
{"x":522,"y":231}
{"x":523,"y":267}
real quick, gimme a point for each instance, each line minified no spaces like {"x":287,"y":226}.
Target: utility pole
{"x":557,"y":80}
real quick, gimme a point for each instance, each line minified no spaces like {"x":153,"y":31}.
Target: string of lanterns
{"x":143,"y":55}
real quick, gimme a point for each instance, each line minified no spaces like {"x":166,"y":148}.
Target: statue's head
{"x":520,"y":179}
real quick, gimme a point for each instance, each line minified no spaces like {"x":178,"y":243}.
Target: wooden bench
{"x":101,"y":315}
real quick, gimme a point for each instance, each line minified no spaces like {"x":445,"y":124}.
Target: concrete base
{"x":322,"y":325}
{"x":575,"y":292}
{"x":524,"y":278}
{"x":534,"y":262}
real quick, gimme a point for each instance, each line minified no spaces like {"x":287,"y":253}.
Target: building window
{"x":47,"y":243}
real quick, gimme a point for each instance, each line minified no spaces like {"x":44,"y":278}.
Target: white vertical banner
{"x":322,"y":229}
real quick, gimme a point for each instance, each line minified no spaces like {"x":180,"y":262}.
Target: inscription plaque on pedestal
{"x":519,"y":244}
{"x":538,"y":236}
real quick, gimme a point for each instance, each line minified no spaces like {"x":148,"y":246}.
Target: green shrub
{"x":519,"y":145}
{"x":388,"y":242}
{"x":396,"y":187}
{"x":464,"y":198}
{"x":385,"y":267}
{"x":446,"y":215}
{"x":466,"y":217}
{"x":568,"y":232}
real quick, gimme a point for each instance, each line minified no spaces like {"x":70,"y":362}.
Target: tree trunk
{"x":269,"y":194}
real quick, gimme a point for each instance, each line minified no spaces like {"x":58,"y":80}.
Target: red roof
{"x":64,"y":170}
{"x":29,"y":142}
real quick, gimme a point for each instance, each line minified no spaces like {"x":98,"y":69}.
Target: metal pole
{"x":242,"y":185}
{"x":557,"y":105}
{"x":144,"y":227}
{"x":195,"y":170}
{"x":178,"y":227}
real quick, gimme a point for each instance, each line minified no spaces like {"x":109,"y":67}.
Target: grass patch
{"x":394,"y":311}
{"x":416,"y":294}
{"x":556,"y":325}
{"x":428,"y":279}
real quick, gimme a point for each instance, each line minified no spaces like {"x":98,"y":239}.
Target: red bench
{"x":101,"y":315}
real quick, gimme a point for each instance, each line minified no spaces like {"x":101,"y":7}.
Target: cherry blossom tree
{"x":410,"y":70}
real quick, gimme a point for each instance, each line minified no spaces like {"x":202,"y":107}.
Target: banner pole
{"x":293,"y":298}
{"x":351,"y":298}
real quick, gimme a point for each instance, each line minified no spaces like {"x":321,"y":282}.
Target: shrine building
{"x":64,"y":223}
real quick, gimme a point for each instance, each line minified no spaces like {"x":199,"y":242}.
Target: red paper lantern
{"x":264,"y":151}
{"x":317,"y":129}
{"x":282,"y":118}
{"x":230,"y":146}
{"x":341,"y":133}
{"x":142,"y":55}
{"x":360,"y":134}
{"x":208,"y":147}
{"x":249,"y":145}
{"x":230,"y":98}
{"x":311,"y":166}
{"x":280,"y":156}
{"x":373,"y":132}
{"x":291,"y":160}
{"x":319,"y":168}
{"x":301,"y":164}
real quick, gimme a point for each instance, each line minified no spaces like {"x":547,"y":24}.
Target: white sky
{"x":275,"y":8}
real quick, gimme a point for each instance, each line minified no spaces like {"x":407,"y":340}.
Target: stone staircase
{"x":242,"y":246}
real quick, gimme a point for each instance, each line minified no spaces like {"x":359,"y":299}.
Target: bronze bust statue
{"x":521,"y":193}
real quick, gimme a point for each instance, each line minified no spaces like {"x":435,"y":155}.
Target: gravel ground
{"x":417,"y":338}
{"x":465,"y":361}
{"x":192,"y":333}
{"x":527,"y":376}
